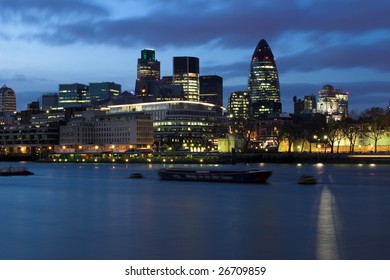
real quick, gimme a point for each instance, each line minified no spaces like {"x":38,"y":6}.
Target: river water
{"x":94,"y":211}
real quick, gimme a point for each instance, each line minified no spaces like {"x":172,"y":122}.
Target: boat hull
{"x":238,"y":176}
{"x":15,"y":171}
{"x":307,"y":180}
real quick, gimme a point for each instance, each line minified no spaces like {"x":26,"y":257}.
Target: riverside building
{"x":28,"y":138}
{"x":97,"y":131}
{"x":181,"y":125}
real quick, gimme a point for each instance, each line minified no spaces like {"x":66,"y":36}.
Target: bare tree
{"x":290,"y":132}
{"x":351,"y":129}
{"x":373,"y":120}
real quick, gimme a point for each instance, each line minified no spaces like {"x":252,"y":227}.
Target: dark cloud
{"x":228,"y":71}
{"x":305,"y":35}
{"x":233,"y":23}
{"x":330,"y":25}
{"x":44,"y":11}
{"x":342,"y":55}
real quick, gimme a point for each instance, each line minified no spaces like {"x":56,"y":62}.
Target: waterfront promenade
{"x":206,"y":157}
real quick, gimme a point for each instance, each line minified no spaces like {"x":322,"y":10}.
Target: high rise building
{"x":239,"y":104}
{"x":186,"y":73}
{"x":7,"y":100}
{"x":211,"y":89}
{"x":181,"y":125}
{"x":148,"y":67}
{"x":263,"y":83}
{"x":148,"y":75}
{"x":306,"y":106}
{"x":333,"y":103}
{"x":104,"y":91}
{"x":73,"y":95}
{"x":48,"y":101}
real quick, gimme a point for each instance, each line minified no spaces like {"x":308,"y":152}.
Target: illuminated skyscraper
{"x":263,"y":84}
{"x":148,"y":68}
{"x":239,"y":105}
{"x":148,"y":75}
{"x":186,"y":73}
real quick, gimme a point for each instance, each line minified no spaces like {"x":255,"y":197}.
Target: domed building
{"x":7,"y":100}
{"x":333,"y":103}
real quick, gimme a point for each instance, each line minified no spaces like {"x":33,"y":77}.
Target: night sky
{"x":345,"y":43}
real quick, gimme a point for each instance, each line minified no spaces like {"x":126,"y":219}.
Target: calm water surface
{"x":87,"y":211}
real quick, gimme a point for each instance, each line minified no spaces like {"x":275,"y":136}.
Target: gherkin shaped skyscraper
{"x":263,"y":84}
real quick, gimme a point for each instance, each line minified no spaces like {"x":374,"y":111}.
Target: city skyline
{"x":44,"y":44}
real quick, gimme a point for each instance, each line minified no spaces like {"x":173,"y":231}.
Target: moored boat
{"x":136,"y":176}
{"x":307,"y":180}
{"x":215,"y":175}
{"x":15,"y":171}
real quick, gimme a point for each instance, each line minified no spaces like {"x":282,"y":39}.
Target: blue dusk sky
{"x":345,"y":43}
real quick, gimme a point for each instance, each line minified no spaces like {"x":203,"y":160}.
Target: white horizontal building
{"x":97,"y":131}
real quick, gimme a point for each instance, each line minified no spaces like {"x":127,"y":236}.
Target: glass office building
{"x":186,"y":73}
{"x":181,"y":125}
{"x":239,"y":105}
{"x":104,"y":91}
{"x":73,"y":95}
{"x":211,"y":89}
{"x":263,"y":83}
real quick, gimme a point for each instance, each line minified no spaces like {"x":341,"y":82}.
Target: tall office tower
{"x":48,"y":101}
{"x":148,"y":67}
{"x":310,"y":104}
{"x":7,"y":100}
{"x":333,"y":103}
{"x":73,"y":95}
{"x":104,"y":91}
{"x":148,"y":75}
{"x":211,"y":89}
{"x":263,"y":84}
{"x":186,"y":73}
{"x":306,"y":106}
{"x":239,"y":104}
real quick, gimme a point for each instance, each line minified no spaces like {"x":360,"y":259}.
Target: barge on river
{"x":215,"y":175}
{"x":15,"y":171}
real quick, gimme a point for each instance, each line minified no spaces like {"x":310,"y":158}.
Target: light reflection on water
{"x":93,"y":211}
{"x":326,"y":231}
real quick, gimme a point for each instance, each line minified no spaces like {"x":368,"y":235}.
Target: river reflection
{"x":326,"y":228}
{"x":94,"y":211}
